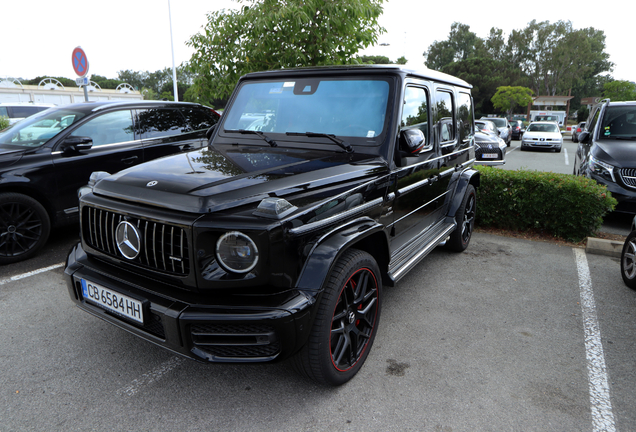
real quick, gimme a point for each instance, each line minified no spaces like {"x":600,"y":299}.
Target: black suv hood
{"x":210,"y":180}
{"x":620,"y":153}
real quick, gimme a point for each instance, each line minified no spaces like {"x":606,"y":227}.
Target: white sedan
{"x":542,"y":134}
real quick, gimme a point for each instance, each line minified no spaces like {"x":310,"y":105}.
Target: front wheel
{"x":628,"y":261}
{"x":346,"y":321}
{"x":465,"y":218}
{"x":24,"y":227}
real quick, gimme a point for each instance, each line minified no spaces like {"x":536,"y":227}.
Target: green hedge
{"x":4,"y":122}
{"x":563,"y":205}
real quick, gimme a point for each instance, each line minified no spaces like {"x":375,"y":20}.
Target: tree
{"x":460,"y":45}
{"x":375,"y":59}
{"x":508,"y":98}
{"x":274,"y":34}
{"x":620,"y":90}
{"x":555,"y":57}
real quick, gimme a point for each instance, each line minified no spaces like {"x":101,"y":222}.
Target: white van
{"x":17,"y":111}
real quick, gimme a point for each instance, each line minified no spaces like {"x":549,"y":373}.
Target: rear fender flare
{"x":467,"y":177}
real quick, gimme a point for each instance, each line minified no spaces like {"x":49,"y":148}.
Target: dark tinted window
{"x":200,"y":118}
{"x":158,"y":122}
{"x":465,"y":116}
{"x":415,"y":111}
{"x":445,"y":116}
{"x":25,"y":111}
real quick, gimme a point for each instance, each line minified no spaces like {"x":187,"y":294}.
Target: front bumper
{"x":541,"y":144}
{"x":201,"y":328}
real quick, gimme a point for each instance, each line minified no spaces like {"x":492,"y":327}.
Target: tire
{"x":346,"y":321}
{"x":628,"y":261}
{"x":558,"y":150}
{"x":465,"y":218}
{"x":24,"y":227}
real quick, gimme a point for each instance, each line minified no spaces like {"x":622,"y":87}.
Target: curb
{"x":598,"y":246}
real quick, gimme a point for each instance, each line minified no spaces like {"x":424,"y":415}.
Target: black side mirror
{"x":77,"y":143}
{"x":412,"y":141}
{"x":584,"y":137}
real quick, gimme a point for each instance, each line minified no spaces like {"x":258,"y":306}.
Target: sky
{"x":135,"y":35}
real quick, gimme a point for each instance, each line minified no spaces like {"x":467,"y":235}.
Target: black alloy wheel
{"x":465,"y":218}
{"x":628,"y":261}
{"x":24,"y":227}
{"x":346,"y":321}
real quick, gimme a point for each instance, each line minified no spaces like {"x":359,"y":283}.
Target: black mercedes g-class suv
{"x":318,"y":187}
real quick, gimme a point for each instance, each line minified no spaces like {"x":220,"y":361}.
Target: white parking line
{"x":31,"y":273}
{"x":601,"y":406}
{"x":567,"y":160}
{"x":150,"y":377}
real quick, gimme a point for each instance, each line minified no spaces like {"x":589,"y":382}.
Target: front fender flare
{"x":330,"y":246}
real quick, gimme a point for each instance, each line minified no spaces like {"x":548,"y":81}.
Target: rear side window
{"x":199,"y":118}
{"x":444,"y":116}
{"x":24,"y":111}
{"x":160,"y":122}
{"x":465,"y":116}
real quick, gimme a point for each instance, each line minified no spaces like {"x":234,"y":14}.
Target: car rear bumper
{"x":203,"y":330}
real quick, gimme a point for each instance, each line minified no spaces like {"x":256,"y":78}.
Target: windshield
{"x":619,"y":122}
{"x":485,"y":126}
{"x":39,"y":128}
{"x":342,"y":107}
{"x":498,"y":121}
{"x":551,"y":127}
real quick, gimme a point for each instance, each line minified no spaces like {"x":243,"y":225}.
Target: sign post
{"x":80,"y":66}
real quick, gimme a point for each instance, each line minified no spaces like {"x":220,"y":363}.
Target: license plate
{"x":489,"y":155}
{"x":113,"y":301}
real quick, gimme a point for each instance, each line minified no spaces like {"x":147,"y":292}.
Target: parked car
{"x":607,"y":151}
{"x":275,"y":242}
{"x":576,"y":131}
{"x":17,"y":111}
{"x":628,"y":258}
{"x":489,"y":149}
{"x":505,"y":130}
{"x":542,"y":135}
{"x":487,"y":126}
{"x":45,"y":158}
{"x":516,"y":129}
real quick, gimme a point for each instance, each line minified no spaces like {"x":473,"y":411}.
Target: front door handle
{"x":130,"y":160}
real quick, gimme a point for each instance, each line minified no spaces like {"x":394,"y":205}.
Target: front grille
{"x":163,"y":247}
{"x":628,"y":176}
{"x":235,"y":340}
{"x":483,"y":149}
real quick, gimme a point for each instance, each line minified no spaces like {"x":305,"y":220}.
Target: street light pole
{"x":174,"y":70}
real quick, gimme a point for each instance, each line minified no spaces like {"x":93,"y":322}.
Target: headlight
{"x":236,"y":252}
{"x":601,"y":169}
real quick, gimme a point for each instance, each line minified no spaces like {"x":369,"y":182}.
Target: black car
{"x":516,"y":129}
{"x":489,"y":149}
{"x":607,"y":151}
{"x":45,"y":158}
{"x":318,"y":187}
{"x":576,"y":131}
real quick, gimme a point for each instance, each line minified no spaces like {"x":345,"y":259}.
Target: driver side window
{"x":415,"y":112}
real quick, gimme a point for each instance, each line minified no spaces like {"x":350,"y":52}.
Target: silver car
{"x":542,"y":134}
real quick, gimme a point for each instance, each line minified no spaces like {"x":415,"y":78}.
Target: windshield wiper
{"x":343,"y":144}
{"x":260,"y":134}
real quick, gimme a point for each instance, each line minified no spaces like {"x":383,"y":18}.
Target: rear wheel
{"x":346,"y":321}
{"x":24,"y":227}
{"x":465,"y":218}
{"x":628,"y":261}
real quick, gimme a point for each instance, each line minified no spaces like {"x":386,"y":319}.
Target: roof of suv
{"x":374,"y":68}
{"x":100,"y":105}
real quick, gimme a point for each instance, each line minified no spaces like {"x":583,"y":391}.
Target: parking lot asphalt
{"x":492,"y":339}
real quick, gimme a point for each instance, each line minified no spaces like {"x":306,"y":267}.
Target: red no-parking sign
{"x":80,"y":62}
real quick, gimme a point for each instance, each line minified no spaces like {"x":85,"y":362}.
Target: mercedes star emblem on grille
{"x":128,"y":240}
